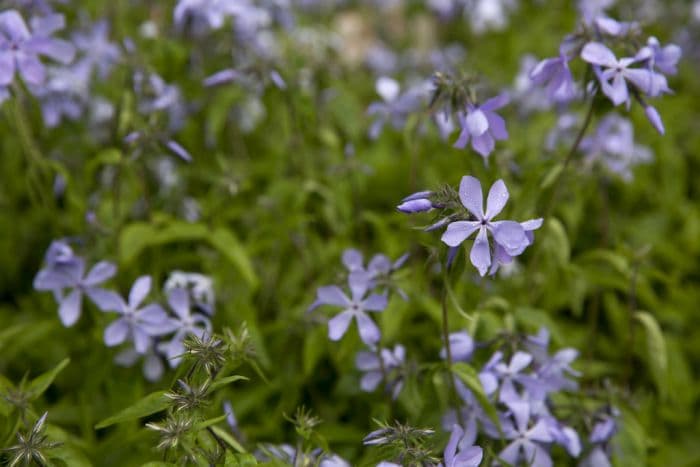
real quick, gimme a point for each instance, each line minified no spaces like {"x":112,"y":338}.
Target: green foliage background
{"x":614,"y":271}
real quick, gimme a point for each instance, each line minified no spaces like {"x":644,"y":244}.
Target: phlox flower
{"x":483,"y":126}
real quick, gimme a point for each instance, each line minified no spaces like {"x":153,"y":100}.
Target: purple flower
{"x":137,"y":324}
{"x":395,"y":107}
{"x":64,"y":270}
{"x":369,"y":363}
{"x":355,"y":307}
{"x":98,"y":52}
{"x":615,"y":74}
{"x":665,"y":59}
{"x":458,"y":455}
{"x":510,"y":374}
{"x":186,"y":323}
{"x":509,"y":235}
{"x":483,"y":126}
{"x":527,"y":440}
{"x":461,"y":347}
{"x":20,"y":49}
{"x":613,"y":145}
{"x":555,"y":73}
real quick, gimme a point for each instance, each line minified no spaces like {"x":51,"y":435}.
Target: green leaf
{"x":71,"y":455}
{"x":657,"y":357}
{"x":210,"y":422}
{"x":133,"y":239}
{"x":556,"y":241}
{"x":240,"y":460}
{"x":152,"y":403}
{"x":42,"y":382}
{"x":225,"y":381}
{"x":471,"y":379}
{"x":551,"y":176}
{"x":230,"y":440}
{"x":228,"y":245}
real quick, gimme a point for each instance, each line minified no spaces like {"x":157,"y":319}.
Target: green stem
{"x":448,"y":352}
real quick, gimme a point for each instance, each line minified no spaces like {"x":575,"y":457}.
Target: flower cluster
{"x":145,"y":326}
{"x":523,"y":387}
{"x":637,"y":75}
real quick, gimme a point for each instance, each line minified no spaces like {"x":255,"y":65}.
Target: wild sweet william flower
{"x":20,"y":49}
{"x":392,"y":360}
{"x":355,"y":307}
{"x":555,"y":73}
{"x":510,"y":235}
{"x":665,"y":59}
{"x":186,"y":323}
{"x":613,"y":146}
{"x":527,"y":441}
{"x":458,"y":455}
{"x":66,"y":271}
{"x":614,"y":74}
{"x":137,"y":324}
{"x":153,"y":367}
{"x":483,"y":126}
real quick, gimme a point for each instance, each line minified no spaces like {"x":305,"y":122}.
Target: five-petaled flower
{"x":483,"y":126}
{"x":20,"y":49}
{"x":355,"y":306}
{"x":508,"y":235}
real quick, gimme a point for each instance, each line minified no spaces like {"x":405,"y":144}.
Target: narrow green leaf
{"x":228,"y":245}
{"x":657,"y":357}
{"x":152,"y":403}
{"x":240,"y":460}
{"x":470,"y":378}
{"x":212,"y":421}
{"x":552,"y":176}
{"x":230,"y":440}
{"x":42,"y":382}
{"x":225,"y":381}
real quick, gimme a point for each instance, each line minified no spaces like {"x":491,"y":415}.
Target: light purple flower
{"x":613,"y":145}
{"x":97,"y":50}
{"x":186,"y":323}
{"x":20,"y":49}
{"x":137,"y":323}
{"x":483,"y":126}
{"x":509,"y":235}
{"x":355,"y":307}
{"x":369,"y":364}
{"x":555,"y":73}
{"x":527,"y":441}
{"x":395,"y":107}
{"x":67,"y":271}
{"x":614,"y":74}
{"x":665,"y":59}
{"x":458,"y":455}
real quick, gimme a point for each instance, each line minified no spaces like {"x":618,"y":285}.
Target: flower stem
{"x":448,"y":352}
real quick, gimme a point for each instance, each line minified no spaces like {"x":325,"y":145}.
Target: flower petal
{"x":511,"y":236}
{"x":31,"y":69}
{"x":458,"y":231}
{"x":484,"y":144}
{"x":370,"y":381}
{"x":7,"y":68}
{"x":331,"y":295}
{"x":480,"y":255}
{"x":70,"y":308}
{"x":179,"y":301}
{"x":352,"y":259}
{"x":99,"y":273}
{"x":106,"y":300}
{"x":471,"y":196}
{"x":497,"y":199}
{"x":116,"y":332}
{"x":598,"y":54}
{"x":375,"y":302}
{"x":139,"y":291}
{"x":369,"y":332}
{"x":338,"y":325}
{"x":476,"y":122}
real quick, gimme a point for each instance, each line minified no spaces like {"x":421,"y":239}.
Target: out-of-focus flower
{"x":374,"y":370}
{"x":483,"y":126}
{"x":20,"y":49}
